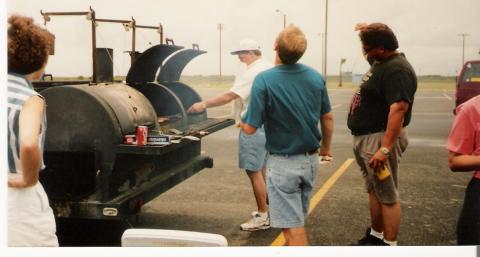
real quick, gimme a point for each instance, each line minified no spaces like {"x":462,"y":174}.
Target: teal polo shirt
{"x":288,"y":100}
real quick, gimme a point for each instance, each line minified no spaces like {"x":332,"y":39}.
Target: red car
{"x":468,"y":83}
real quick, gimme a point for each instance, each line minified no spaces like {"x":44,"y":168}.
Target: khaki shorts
{"x":364,"y":147}
{"x":30,"y":218}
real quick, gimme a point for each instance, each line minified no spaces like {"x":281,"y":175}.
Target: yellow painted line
{"x":280,"y":240}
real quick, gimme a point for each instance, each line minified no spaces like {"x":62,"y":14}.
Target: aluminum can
{"x":142,"y":133}
{"x":129,"y":139}
{"x":383,"y":174}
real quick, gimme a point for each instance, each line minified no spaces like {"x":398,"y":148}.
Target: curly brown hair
{"x":379,"y":34}
{"x":28,"y":45}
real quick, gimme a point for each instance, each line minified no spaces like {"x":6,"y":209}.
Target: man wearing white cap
{"x":251,"y":148}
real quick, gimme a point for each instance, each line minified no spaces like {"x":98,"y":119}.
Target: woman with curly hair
{"x":30,"y":218}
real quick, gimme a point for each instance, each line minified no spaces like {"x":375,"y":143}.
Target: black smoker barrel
{"x":85,"y":125}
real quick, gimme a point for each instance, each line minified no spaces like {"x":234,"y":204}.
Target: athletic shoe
{"x":370,"y":240}
{"x":257,"y":222}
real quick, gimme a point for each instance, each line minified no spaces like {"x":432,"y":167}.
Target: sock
{"x":263,"y":214}
{"x":376,"y":234}
{"x":391,"y":243}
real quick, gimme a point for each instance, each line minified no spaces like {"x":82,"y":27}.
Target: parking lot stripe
{"x":280,"y":240}
{"x":336,"y":106}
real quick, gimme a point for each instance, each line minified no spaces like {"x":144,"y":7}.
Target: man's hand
{"x":325,"y":153}
{"x":378,"y":161}
{"x":240,"y":124}
{"x":197,"y":107}
{"x":325,"y":156}
{"x":248,"y":129}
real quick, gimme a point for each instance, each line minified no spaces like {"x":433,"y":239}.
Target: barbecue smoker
{"x":90,"y":174}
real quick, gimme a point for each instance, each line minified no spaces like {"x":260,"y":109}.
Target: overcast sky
{"x":427,"y":30}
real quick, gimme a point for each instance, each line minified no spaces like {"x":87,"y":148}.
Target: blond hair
{"x":291,"y":44}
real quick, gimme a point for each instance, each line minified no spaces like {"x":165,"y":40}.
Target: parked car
{"x":468,"y":82}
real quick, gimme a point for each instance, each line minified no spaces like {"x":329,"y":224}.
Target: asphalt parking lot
{"x":218,"y":200}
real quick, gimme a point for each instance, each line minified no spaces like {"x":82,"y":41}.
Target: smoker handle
{"x":169,"y":41}
{"x":149,"y":124}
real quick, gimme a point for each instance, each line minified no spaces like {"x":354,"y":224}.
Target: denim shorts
{"x":251,"y":150}
{"x":290,"y":181}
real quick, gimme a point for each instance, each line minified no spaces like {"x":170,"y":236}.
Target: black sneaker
{"x":369,"y":240}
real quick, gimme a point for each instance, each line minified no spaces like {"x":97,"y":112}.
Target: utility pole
{"x":324,"y":64}
{"x":342,"y":61}
{"x":220,"y":27}
{"x":284,"y":17}
{"x":463,"y":35}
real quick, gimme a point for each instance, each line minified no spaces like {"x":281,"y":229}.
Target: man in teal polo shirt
{"x":290,"y":100}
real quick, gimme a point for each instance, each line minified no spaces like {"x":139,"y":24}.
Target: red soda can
{"x":142,"y":133}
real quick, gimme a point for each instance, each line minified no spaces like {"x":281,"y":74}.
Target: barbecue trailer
{"x":91,"y":175}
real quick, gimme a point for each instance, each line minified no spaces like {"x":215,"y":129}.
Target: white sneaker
{"x":257,"y":222}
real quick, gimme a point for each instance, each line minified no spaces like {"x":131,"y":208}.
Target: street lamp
{"x":284,"y":17}
{"x":463,"y":35}
{"x":342,"y":61}
{"x":220,"y":27}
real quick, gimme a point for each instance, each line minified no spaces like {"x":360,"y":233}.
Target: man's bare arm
{"x":326,"y":124}
{"x":216,"y":101}
{"x":394,"y":127}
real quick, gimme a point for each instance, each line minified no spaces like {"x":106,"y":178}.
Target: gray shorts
{"x":364,"y":147}
{"x":251,"y":150}
{"x":290,"y":180}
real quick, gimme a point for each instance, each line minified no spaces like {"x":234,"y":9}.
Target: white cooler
{"x":170,"y":238}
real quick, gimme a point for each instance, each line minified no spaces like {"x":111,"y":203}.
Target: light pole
{"x":284,"y":18}
{"x":463,"y":35}
{"x":324,"y":63}
{"x":220,"y":27}
{"x":342,"y":61}
{"x":322,"y":51}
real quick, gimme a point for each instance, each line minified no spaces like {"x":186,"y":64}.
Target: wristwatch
{"x":385,"y":151}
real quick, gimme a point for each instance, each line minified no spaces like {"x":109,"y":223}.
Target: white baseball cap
{"x":246,"y":45}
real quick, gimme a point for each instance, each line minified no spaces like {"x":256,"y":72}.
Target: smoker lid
{"x":146,"y":65}
{"x":173,"y":67}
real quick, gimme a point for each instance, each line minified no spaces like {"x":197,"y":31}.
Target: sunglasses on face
{"x":367,"y":49}
{"x":243,"y":52}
